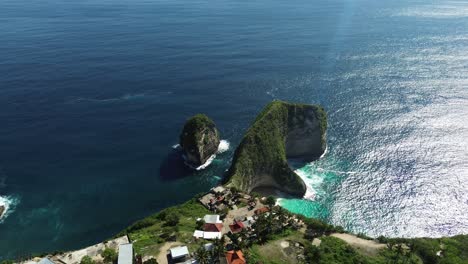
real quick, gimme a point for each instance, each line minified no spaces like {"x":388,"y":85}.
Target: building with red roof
{"x":235,"y":257}
{"x":212,"y":227}
{"x":236,"y":227}
{"x":261,"y":210}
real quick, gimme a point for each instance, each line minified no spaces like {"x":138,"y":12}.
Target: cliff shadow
{"x":297,"y":163}
{"x":173,"y":167}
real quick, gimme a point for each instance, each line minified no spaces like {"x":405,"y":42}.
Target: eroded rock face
{"x":281,"y":131}
{"x":2,"y":210}
{"x":305,"y":139}
{"x":199,"y":140}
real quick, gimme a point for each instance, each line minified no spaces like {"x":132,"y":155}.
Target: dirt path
{"x":367,"y":247}
{"x":162,"y":256}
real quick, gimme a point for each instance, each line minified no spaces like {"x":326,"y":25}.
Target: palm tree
{"x":202,"y":256}
{"x":218,"y":249}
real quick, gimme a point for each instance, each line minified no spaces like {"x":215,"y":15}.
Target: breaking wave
{"x":9,"y":203}
{"x":222,"y":147}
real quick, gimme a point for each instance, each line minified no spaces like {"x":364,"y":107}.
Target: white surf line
{"x":9,"y":203}
{"x":222,"y":147}
{"x":310,"y":193}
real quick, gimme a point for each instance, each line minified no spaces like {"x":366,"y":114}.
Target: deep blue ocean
{"x":94,"y":93}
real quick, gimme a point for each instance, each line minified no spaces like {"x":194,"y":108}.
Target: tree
{"x":87,"y":260}
{"x":200,"y":224}
{"x":270,"y":201}
{"x":172,"y":219}
{"x":262,"y":228}
{"x":202,"y":256}
{"x":219,"y":246}
{"x":312,"y":253}
{"x":109,"y":255}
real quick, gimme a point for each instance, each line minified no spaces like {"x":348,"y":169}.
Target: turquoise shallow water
{"x":321,"y":177}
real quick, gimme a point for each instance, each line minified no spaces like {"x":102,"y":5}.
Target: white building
{"x":179,"y":252}
{"x":125,"y":254}
{"x":46,"y":261}
{"x":212,"y":219}
{"x":207,"y":235}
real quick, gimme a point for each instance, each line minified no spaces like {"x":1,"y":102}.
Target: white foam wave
{"x":124,"y":97}
{"x":223,"y":146}
{"x":310,"y":192}
{"x":9,"y":203}
{"x":325,"y":152}
{"x":176,"y":146}
{"x":207,"y":163}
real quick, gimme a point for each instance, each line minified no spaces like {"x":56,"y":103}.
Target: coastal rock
{"x":281,"y":131}
{"x":2,"y":210}
{"x":199,"y":140}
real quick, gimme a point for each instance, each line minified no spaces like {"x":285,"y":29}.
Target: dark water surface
{"x":94,"y":93}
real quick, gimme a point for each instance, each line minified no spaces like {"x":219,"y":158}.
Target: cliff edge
{"x":281,"y":131}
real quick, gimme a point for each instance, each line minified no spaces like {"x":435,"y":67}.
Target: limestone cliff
{"x":199,"y":140}
{"x":281,"y":131}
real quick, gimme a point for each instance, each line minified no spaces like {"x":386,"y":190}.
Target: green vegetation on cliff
{"x":150,"y":233}
{"x":261,"y":158}
{"x":194,"y":125}
{"x":199,"y":139}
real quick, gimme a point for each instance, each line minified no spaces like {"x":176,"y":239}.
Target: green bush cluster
{"x":109,"y":255}
{"x":87,"y":260}
{"x":195,"y":124}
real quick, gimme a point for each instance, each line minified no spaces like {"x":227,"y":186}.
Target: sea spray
{"x":315,"y":201}
{"x":222,"y":147}
{"x":9,"y":203}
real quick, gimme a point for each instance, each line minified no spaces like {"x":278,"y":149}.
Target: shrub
{"x":87,"y":260}
{"x":311,"y":253}
{"x":382,"y":239}
{"x":146,"y":222}
{"x":150,"y":261}
{"x":271,"y":201}
{"x":109,"y":255}
{"x":316,"y":224}
{"x":338,"y":229}
{"x":426,"y":250}
{"x":172,"y":219}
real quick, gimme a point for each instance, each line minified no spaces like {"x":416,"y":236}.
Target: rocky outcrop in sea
{"x":199,"y":140}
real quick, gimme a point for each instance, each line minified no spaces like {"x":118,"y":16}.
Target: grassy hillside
{"x":170,"y":224}
{"x":151,"y":233}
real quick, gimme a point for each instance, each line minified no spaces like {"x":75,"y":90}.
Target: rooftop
{"x":45,"y":261}
{"x":235,"y":257}
{"x":213,"y":227}
{"x":125,"y":254}
{"x":212,"y":219}
{"x":179,"y":252}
